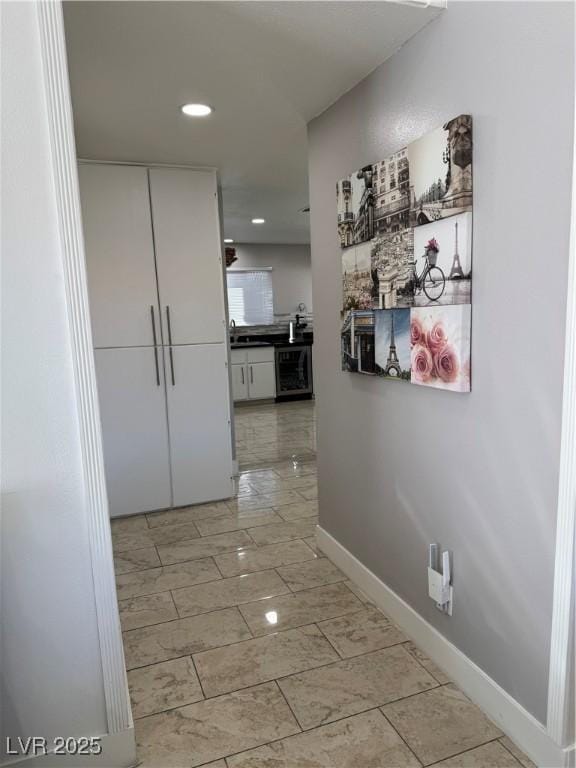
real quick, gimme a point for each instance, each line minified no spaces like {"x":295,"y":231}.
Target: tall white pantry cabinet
{"x":156,"y":289}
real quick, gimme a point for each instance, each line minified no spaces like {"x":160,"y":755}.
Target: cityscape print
{"x":405,"y":231}
{"x":355,"y":203}
{"x":357,"y":277}
{"x":441,"y":172}
{"x":358,"y":345}
{"x":392,"y":268}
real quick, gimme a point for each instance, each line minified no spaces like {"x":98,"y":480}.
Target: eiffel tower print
{"x":392,"y":363}
{"x":456,"y":270}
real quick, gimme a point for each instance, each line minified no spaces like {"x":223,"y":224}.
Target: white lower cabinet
{"x":166,"y":437}
{"x":261,"y":380}
{"x":253,"y":374}
{"x":134,"y":429}
{"x":239,"y":382}
{"x":199,"y":423}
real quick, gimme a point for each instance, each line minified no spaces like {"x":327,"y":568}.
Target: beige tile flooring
{"x":275,"y":433}
{"x":246,"y":648}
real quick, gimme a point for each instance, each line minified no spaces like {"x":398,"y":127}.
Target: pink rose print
{"x":437,"y":337}
{"x":416,"y":331}
{"x":447,"y":364}
{"x":422,"y":364}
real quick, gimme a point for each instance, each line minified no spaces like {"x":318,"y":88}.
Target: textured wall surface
{"x":402,"y":466}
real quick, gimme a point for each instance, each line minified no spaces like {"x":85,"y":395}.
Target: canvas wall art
{"x":449,"y":243}
{"x":357,"y":342}
{"x":392,"y":344}
{"x":391,"y":185}
{"x":357,"y":283}
{"x":440,"y":347}
{"x":392,"y":268}
{"x":405,"y":230}
{"x":441,"y":171}
{"x":355,"y":205}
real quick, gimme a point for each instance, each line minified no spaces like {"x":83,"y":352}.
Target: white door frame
{"x":63,"y":151}
{"x":562,"y":664}
{"x":66,"y":184}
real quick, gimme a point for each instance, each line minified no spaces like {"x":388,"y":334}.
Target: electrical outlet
{"x":437,"y":590}
{"x":439,"y":582}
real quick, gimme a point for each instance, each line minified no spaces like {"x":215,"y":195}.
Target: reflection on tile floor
{"x":266,"y":434}
{"x":247,"y":648}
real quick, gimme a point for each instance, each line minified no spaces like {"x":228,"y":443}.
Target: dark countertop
{"x":266,"y":339}
{"x":249,"y":344}
{"x":298,"y":342}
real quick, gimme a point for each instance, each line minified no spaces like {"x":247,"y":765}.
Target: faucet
{"x":233,"y":331}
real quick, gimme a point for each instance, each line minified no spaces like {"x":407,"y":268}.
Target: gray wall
{"x":51,"y":682}
{"x":401,"y":466}
{"x":291,"y":276}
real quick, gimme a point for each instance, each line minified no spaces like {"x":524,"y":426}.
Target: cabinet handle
{"x":156,"y":364}
{"x":170,"y":343}
{"x":153,"y":325}
{"x":169,"y":325}
{"x":155,"y":345}
{"x":172,"y":367}
{"x":251,"y":375}
{"x":242,"y":372}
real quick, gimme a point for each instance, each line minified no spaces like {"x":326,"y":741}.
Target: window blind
{"x":250,"y":296}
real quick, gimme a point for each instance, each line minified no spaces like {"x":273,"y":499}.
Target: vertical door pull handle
{"x":155,"y":345}
{"x":157,"y":369}
{"x":172,"y":366}
{"x":242,"y":372}
{"x":153,"y":325}
{"x":251,"y":375}
{"x":169,"y":325}
{"x":170,"y":352}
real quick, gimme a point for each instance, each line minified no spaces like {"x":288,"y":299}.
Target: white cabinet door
{"x":239,"y":382}
{"x":119,"y":254}
{"x":199,"y":423}
{"x":261,"y":380}
{"x":188,"y":254}
{"x":134,"y":429}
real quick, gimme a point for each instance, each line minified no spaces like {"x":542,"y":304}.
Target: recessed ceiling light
{"x":258,"y":221}
{"x":196,"y":110}
{"x":228,"y":240}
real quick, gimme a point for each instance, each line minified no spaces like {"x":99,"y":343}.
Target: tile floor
{"x":246,"y":648}
{"x":267,"y":434}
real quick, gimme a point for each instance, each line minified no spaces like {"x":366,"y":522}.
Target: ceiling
{"x":266,"y":68}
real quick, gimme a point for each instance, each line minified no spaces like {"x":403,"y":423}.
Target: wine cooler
{"x":293,"y":370}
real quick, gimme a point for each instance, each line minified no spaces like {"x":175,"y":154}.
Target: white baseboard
{"x":522,"y":727}
{"x":118,"y":751}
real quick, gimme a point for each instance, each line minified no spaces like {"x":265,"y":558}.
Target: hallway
{"x":246,"y":648}
{"x":204,"y":204}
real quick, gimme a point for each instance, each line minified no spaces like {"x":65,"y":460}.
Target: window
{"x":250,"y":296}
